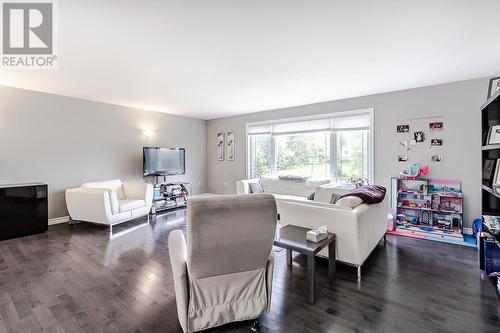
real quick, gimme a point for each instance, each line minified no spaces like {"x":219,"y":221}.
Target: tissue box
{"x":317,"y":235}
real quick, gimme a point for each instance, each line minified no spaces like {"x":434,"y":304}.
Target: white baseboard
{"x":467,"y":231}
{"x":59,"y":220}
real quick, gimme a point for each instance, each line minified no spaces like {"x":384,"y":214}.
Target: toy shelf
{"x":427,"y":209}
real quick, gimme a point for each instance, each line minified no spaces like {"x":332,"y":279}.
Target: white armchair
{"x":224,"y":271}
{"x":109,"y":202}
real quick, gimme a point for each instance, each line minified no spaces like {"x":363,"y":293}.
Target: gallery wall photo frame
{"x":436,"y":126}
{"x":230,"y":149}
{"x":221,"y":143}
{"x":436,"y":142}
{"x":403,"y":128}
{"x":436,"y":158}
{"x":419,"y":136}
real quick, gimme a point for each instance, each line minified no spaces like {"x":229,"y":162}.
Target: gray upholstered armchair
{"x":225,"y":271}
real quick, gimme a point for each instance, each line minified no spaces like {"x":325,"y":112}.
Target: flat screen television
{"x":159,"y":161}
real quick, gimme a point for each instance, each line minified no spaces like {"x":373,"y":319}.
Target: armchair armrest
{"x":372,"y":223}
{"x":269,"y":280}
{"x":178,"y":254}
{"x":141,"y":191}
{"x":89,"y":204}
{"x":242,"y":186}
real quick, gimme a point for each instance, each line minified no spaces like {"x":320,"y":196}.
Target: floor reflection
{"x":164,"y":223}
{"x":141,"y":235}
{"x":138,"y":237}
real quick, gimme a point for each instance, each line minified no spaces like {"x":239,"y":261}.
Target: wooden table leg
{"x":289,"y":257}
{"x":331,"y":261}
{"x":311,"y":267}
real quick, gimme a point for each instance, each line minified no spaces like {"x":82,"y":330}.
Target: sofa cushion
{"x":335,"y":198}
{"x":351,"y":202}
{"x":325,"y":193}
{"x":256,"y":188}
{"x":127,"y":205}
{"x":114,"y":185}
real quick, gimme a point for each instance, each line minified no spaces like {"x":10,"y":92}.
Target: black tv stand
{"x":170,"y":196}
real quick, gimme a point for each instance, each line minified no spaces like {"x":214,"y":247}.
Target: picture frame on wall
{"x":220,"y":146}
{"x":488,"y":169}
{"x":418,"y":136}
{"x":436,"y":126}
{"x":403,"y":128}
{"x":436,"y":142}
{"x":493,"y":86}
{"x":494,"y":135}
{"x":436,"y":158}
{"x":230,"y":146}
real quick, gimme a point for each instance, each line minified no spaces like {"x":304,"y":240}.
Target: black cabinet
{"x":23,"y":210}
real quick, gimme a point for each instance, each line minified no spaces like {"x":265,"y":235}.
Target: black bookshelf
{"x":490,"y":197}
{"x":490,"y":116}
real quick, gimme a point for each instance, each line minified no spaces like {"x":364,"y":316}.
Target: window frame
{"x":371,"y":139}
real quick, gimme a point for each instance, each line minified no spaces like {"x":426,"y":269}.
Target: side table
{"x":293,"y":238}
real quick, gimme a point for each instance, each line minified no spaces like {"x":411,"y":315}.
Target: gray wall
{"x":458,"y":102}
{"x":66,"y":141}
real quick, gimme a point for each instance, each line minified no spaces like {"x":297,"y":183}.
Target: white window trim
{"x":371,"y":134}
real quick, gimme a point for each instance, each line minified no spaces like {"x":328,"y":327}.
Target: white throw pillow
{"x":324,"y":193}
{"x":350,"y":201}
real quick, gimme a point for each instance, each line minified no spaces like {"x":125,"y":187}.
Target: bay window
{"x":336,"y":146}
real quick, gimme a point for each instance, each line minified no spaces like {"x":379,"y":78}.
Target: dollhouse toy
{"x":427,"y":209}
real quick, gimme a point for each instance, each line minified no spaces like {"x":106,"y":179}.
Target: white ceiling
{"x":211,"y":59}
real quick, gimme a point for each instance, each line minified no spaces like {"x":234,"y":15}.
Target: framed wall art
{"x":230,"y":146}
{"x":220,"y":146}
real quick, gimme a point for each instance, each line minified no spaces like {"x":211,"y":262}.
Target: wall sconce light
{"x":148,"y":132}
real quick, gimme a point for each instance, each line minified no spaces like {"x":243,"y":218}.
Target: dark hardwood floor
{"x":77,"y":279}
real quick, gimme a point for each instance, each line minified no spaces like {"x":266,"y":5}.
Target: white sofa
{"x":282,"y":189}
{"x":109,"y":202}
{"x":358,"y":230}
